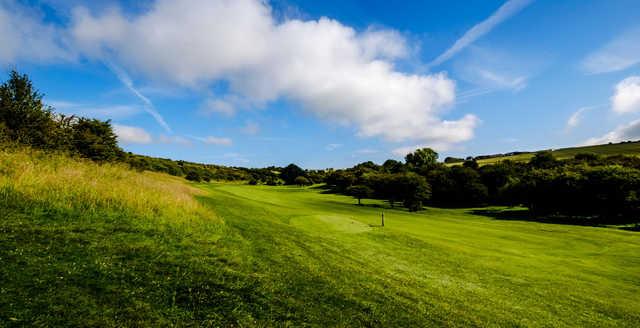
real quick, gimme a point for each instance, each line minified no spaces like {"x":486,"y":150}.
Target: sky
{"x":334,"y":83}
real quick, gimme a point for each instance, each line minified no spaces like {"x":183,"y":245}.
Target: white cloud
{"x":131,"y":134}
{"x":25,"y":38}
{"x":626,"y":98}
{"x":367,"y":151}
{"x":333,"y":71}
{"x":493,"y":70}
{"x":177,"y":140}
{"x":630,"y":131}
{"x":620,"y":53}
{"x":332,"y":146}
{"x":250,"y":128}
{"x":211,"y":140}
{"x":93,"y":111}
{"x":218,"y":106}
{"x":575,"y":118}
{"x":508,"y":9}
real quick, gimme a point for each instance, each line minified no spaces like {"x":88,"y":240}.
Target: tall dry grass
{"x":56,"y":181}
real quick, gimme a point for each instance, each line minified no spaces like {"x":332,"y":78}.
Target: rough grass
{"x":627,"y":148}
{"x":98,"y":245}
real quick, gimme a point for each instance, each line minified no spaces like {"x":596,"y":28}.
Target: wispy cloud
{"x":148,"y":105}
{"x":177,"y":140}
{"x":575,"y":118}
{"x":211,"y":140}
{"x":93,"y":111}
{"x":250,"y":128}
{"x":630,"y":131}
{"x":218,"y":106}
{"x":332,"y":146}
{"x":508,"y":9}
{"x":132,"y":134}
{"x":620,"y":53}
{"x":367,"y":151}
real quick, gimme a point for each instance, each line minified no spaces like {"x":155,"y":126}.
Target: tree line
{"x":587,"y":187}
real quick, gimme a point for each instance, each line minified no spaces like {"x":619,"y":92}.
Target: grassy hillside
{"x":90,"y":245}
{"x":626,"y":148}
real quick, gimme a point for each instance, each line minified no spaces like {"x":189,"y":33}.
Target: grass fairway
{"x":89,"y":245}
{"x":323,"y":260}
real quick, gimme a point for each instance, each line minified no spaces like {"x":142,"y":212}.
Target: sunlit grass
{"x":85,"y":245}
{"x":60,"y":182}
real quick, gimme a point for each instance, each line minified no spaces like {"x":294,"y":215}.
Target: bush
{"x":95,"y":140}
{"x":193,"y":176}
{"x":302,"y":181}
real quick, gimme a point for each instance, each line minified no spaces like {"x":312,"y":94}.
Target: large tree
{"x":24,"y":116}
{"x":421,"y":158}
{"x":359,"y":192}
{"x":290,"y":173}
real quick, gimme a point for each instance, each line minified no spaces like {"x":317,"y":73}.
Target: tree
{"x":425,"y":157}
{"x":290,"y":173}
{"x":451,"y":160}
{"x":393,"y":166}
{"x":302,"y":181}
{"x":543,"y":160}
{"x":25,"y":117}
{"x":472,"y":164}
{"x":193,"y":176}
{"x":413,"y":189}
{"x":95,"y":139}
{"x":359,"y":192}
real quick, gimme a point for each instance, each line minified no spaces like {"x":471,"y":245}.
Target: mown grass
{"x":237,"y":255}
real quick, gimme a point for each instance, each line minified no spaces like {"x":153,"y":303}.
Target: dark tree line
{"x":586,"y":187}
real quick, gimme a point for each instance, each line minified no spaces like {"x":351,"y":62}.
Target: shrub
{"x":193,"y":176}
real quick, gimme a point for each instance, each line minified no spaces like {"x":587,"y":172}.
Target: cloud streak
{"x":576,"y":118}
{"x":620,"y":53}
{"x":124,"y":78}
{"x":508,"y":9}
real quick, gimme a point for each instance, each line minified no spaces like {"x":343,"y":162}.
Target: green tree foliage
{"x":359,"y":192}
{"x":421,"y":158}
{"x":302,"y":181}
{"x":95,"y":139}
{"x":290,"y":173}
{"x":393,"y":166}
{"x":25,"y":118}
{"x":543,"y":160}
{"x":193,"y":176}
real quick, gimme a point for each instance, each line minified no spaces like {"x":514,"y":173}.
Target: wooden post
{"x":382,"y":219}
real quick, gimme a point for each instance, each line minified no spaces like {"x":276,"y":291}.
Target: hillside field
{"x":99,"y":245}
{"x":625,"y":148}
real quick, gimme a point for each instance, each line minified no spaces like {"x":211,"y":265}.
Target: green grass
{"x":284,"y":256}
{"x":628,"y":148}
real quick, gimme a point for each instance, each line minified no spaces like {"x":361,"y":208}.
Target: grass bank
{"x":99,"y":245}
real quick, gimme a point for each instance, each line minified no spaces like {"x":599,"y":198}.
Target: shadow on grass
{"x":526,"y":215}
{"x":635,"y":227}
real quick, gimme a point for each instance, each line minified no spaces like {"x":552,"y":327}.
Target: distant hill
{"x":622,"y":148}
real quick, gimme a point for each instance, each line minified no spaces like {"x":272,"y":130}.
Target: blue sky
{"x":334,"y":83}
